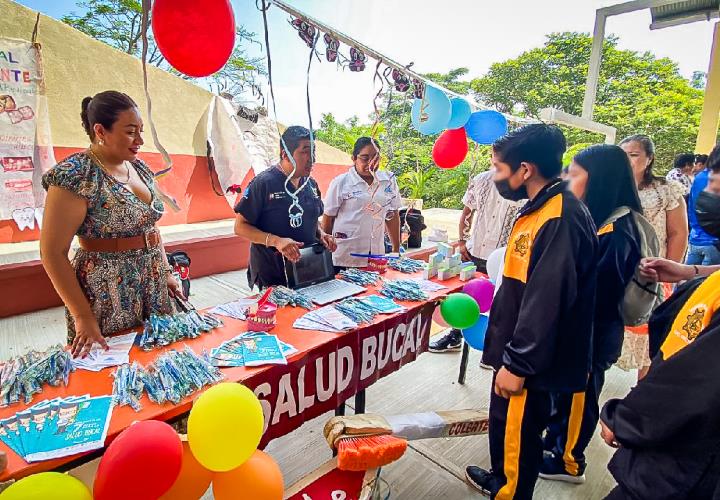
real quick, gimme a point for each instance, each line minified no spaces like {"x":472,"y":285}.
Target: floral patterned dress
{"x":123,"y":288}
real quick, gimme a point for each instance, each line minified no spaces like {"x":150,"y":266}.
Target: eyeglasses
{"x":367,"y":158}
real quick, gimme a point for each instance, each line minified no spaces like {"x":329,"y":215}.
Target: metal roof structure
{"x":688,"y":11}
{"x":665,"y":13}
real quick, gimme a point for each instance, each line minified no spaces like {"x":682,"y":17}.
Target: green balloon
{"x":460,"y":310}
{"x":46,"y":485}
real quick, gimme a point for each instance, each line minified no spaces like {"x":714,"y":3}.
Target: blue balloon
{"x":460,"y":113}
{"x":475,"y":335}
{"x":435,"y":114}
{"x":486,"y":126}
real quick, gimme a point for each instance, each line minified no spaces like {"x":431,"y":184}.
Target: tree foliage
{"x":119,"y":24}
{"x":637,"y":92}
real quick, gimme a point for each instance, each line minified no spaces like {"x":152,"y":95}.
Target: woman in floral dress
{"x":106,"y":196}
{"x":664,"y":206}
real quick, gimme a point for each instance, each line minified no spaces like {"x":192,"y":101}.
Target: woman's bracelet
{"x":267,"y":239}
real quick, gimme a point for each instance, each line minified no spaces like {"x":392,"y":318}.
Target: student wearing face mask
{"x":704,"y":213}
{"x":602,"y":178}
{"x":540,"y":331}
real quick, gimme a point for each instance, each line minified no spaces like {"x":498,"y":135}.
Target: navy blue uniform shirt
{"x":265,"y":205}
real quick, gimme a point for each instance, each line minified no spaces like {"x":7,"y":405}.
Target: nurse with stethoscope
{"x":360,"y":205}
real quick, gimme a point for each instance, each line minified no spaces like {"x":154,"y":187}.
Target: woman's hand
{"x":665,"y":270}
{"x":87,"y":333}
{"x":174,"y":287}
{"x":289,"y":248}
{"x":328,"y":241}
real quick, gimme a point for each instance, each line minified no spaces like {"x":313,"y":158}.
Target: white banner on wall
{"x":25,"y":143}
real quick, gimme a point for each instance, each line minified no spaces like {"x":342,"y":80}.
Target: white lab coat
{"x":360,"y":213}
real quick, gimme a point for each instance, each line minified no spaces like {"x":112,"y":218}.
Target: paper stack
{"x":325,"y":319}
{"x":58,"y":427}
{"x":117,"y":354}
{"x":252,"y":349}
{"x":236,"y":309}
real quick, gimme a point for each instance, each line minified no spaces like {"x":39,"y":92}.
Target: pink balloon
{"x":437,"y":318}
{"x":482,"y":291}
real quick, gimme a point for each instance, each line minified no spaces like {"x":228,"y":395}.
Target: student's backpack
{"x":180,"y":262}
{"x":641,"y":296}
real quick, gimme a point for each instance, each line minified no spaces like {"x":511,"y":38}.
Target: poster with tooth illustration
{"x":25,"y":146}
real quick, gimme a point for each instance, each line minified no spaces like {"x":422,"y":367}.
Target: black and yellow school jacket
{"x":669,"y":425}
{"x":618,"y":257}
{"x":541,"y":319}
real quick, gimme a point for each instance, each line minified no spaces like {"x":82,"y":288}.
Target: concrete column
{"x":710,"y":117}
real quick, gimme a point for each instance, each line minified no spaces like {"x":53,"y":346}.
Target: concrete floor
{"x":430,"y":469}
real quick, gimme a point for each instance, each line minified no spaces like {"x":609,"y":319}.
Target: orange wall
{"x":188,"y":182}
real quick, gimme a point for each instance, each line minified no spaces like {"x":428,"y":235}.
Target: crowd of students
{"x":556,"y":325}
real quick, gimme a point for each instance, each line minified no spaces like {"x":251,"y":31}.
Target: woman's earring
{"x":101,"y":142}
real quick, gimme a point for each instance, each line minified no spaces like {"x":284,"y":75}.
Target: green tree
{"x":119,"y":24}
{"x":637,"y":92}
{"x":342,"y":135}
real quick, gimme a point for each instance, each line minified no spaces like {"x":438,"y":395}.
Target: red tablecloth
{"x":328,"y":369}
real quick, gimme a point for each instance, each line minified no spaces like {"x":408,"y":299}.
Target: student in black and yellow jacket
{"x":601,"y":177}
{"x":538,"y":340}
{"x":667,"y":429}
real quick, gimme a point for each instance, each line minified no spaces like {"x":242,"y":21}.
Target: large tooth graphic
{"x":24,"y":218}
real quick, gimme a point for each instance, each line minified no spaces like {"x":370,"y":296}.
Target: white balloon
{"x":495,"y":263}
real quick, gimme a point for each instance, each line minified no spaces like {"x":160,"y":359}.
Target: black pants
{"x":515,"y":437}
{"x":573,"y":422}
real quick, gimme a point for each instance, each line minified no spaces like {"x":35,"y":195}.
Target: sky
{"x":436,"y":36}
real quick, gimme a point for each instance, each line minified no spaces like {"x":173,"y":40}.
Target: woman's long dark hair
{"x":610,"y":183}
{"x":649,"y":146}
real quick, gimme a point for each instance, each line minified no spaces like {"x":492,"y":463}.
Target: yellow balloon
{"x":225,"y":426}
{"x":47,"y":485}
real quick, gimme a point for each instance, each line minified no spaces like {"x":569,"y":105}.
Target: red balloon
{"x":142,"y":463}
{"x":197,"y":38}
{"x":450,"y":148}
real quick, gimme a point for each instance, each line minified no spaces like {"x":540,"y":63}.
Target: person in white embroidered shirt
{"x":360,"y":205}
{"x":494,"y":219}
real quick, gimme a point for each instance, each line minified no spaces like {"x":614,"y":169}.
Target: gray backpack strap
{"x":617,"y":213}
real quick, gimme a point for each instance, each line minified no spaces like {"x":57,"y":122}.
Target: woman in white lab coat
{"x":360,"y":205}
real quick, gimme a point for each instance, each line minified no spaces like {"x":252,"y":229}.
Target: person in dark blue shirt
{"x":703,"y":246}
{"x":279,"y":211}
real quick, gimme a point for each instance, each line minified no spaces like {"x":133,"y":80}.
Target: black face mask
{"x":707,"y":209}
{"x":503,"y":187}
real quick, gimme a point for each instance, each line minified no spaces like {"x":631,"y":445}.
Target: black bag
{"x":416,"y":224}
{"x":180,"y":263}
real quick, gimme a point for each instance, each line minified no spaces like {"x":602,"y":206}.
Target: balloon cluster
{"x":435,"y":112}
{"x":465,"y":311}
{"x":149,"y":461}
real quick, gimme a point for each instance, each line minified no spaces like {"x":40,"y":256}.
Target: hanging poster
{"x":25,"y":145}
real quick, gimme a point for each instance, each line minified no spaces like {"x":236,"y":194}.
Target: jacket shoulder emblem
{"x":694,"y":323}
